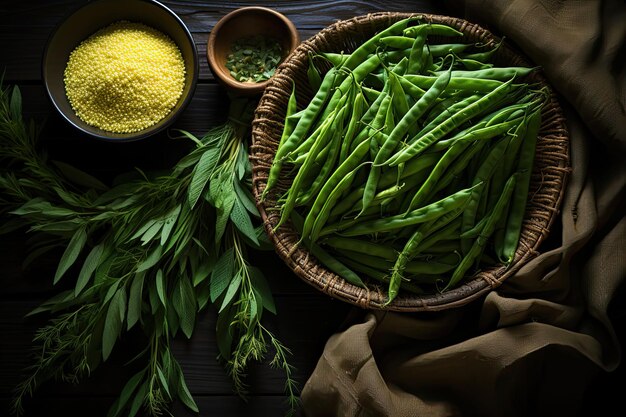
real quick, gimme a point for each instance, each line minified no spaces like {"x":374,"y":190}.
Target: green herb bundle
{"x":151,"y":252}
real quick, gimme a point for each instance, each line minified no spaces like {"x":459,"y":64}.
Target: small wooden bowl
{"x":241,"y":23}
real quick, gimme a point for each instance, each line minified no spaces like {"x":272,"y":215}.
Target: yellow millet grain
{"x":125,"y":77}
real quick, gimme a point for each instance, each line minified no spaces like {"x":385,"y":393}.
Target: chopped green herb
{"x":253,"y":59}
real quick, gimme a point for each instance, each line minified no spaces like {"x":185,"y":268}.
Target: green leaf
{"x":50,"y":304}
{"x":253,"y":309}
{"x":184,"y":301}
{"x":173,"y":321}
{"x":114,"y":196}
{"x":102,"y":271}
{"x":106,"y":215}
{"x":139,"y":399}
{"x":261,"y":286}
{"x":163,"y":380}
{"x":200,"y":245}
{"x":222,"y":274}
{"x":168,"y":368}
{"x":242,"y":162}
{"x":168,"y":224}
{"x":38,"y":205}
{"x":233,"y":287}
{"x":79,"y":177}
{"x":16,"y":104}
{"x":113,"y":322}
{"x":264,"y":239}
{"x":61,"y":227}
{"x":160,"y":286}
{"x":247,"y":199}
{"x":203,"y":271}
{"x":183,"y":391}
{"x":89,"y":266}
{"x":242,"y":221}
{"x":203,"y":293}
{"x":152,"y":232}
{"x":135,"y":300}
{"x":223,"y":198}
{"x":224,"y":333}
{"x":151,"y":260}
{"x":70,"y":199}
{"x":71,"y":253}
{"x":183,"y":231}
{"x":187,"y":161}
{"x":127,"y":391}
{"x":153,"y":297}
{"x":111,"y":291}
{"x":191,"y":136}
{"x":201,"y":174}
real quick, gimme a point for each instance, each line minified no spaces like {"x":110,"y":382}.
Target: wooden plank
{"x":26,"y":25}
{"x":209,"y":406}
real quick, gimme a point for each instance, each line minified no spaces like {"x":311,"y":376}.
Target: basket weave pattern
{"x":546,"y":188}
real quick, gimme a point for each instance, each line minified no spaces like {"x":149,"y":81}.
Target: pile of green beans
{"x":412,"y":162}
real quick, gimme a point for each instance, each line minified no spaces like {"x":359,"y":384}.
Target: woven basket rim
{"x":549,"y":176}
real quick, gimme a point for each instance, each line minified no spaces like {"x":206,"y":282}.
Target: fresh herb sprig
{"x":152,"y":252}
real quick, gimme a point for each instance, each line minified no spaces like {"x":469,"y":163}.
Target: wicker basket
{"x":546,"y":188}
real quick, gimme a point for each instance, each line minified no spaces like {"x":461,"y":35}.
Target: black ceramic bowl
{"x":94,"y":16}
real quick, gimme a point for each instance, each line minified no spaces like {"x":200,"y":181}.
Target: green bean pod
{"x":431,"y":29}
{"x":334,"y":147}
{"x":428,"y":266}
{"x":298,"y":182}
{"x":456,"y":83}
{"x":410,"y":250}
{"x":445,"y":114}
{"x":414,"y":169}
{"x":357,"y":112}
{"x":332,"y":189}
{"x":360,"y":54}
{"x":495,"y":73}
{"x":450,"y":124}
{"x":325,"y":258}
{"x":379,"y":275}
{"x":308,"y":117}
{"x":439,"y":50}
{"x":336,"y":60}
{"x":421,"y":215}
{"x":301,"y":128}
{"x":417,"y":50}
{"x":362,"y":246}
{"x":518,"y":205}
{"x":486,"y":170}
{"x":481,"y":240}
{"x":403,"y":126}
{"x":484,"y":56}
{"x":427,"y":186}
{"x":290,"y":123}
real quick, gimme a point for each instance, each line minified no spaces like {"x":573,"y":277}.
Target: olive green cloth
{"x":533,"y":346}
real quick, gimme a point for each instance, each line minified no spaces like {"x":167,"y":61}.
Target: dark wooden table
{"x":305,"y":317}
